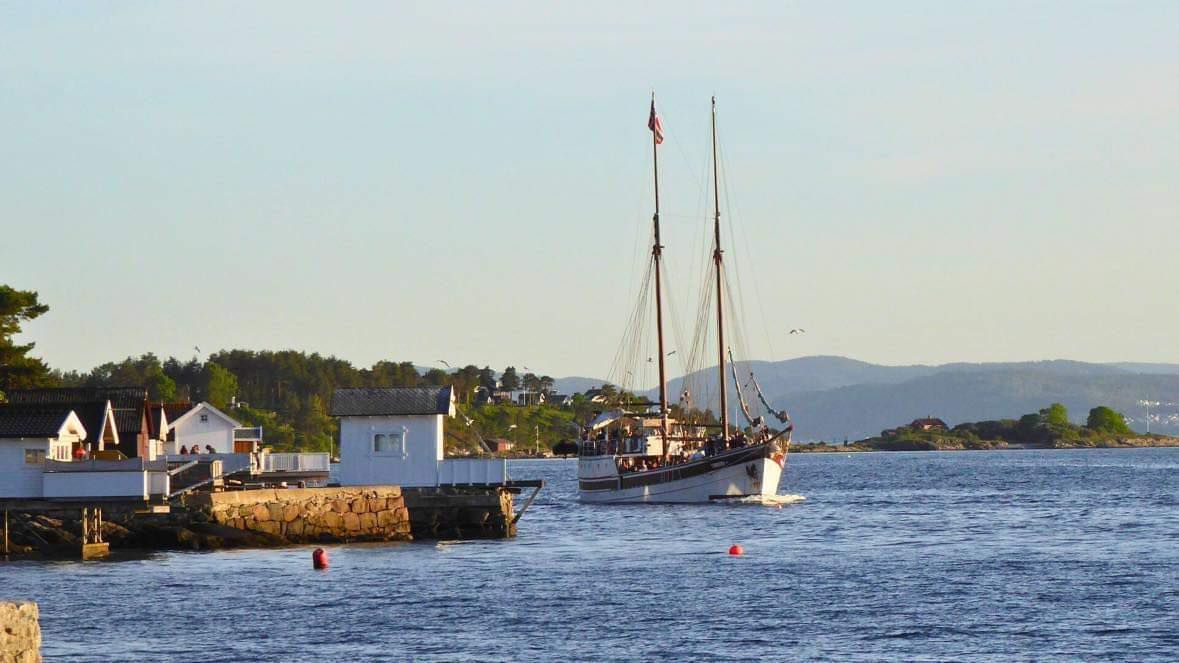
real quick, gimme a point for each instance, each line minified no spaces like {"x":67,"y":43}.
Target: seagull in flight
{"x":797,"y":331}
{"x":443,"y":362}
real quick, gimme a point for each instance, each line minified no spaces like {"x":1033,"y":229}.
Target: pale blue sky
{"x":912,"y":182}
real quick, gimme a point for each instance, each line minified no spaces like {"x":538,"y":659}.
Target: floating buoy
{"x":736,"y":549}
{"x":319,"y":559}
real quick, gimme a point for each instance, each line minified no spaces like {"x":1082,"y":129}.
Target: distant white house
{"x":205,"y":426}
{"x":395,"y":435}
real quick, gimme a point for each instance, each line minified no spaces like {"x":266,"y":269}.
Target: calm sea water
{"x":1016,"y":555}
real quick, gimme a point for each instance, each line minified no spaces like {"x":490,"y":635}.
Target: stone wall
{"x":20,"y":632}
{"x":308,"y":515}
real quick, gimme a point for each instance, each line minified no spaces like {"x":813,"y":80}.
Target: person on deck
{"x":183,"y":450}
{"x":209,"y":449}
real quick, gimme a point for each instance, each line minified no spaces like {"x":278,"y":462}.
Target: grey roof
{"x":391,"y":401}
{"x":21,"y":422}
{"x":92,"y":414}
{"x":128,"y":403}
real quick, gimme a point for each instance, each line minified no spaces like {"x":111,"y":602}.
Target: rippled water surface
{"x":1034,"y":555}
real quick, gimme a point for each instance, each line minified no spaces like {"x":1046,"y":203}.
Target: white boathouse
{"x":395,"y":435}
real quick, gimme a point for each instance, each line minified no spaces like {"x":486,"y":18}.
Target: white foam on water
{"x":764,"y":500}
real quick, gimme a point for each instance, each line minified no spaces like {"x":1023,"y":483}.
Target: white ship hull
{"x":744,"y":472}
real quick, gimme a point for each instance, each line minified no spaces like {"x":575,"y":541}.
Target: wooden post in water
{"x":93,"y":546}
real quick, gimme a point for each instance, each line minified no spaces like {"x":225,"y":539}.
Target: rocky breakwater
{"x":20,"y":632}
{"x":297,"y":515}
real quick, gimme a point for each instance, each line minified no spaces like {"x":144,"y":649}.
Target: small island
{"x":1049,"y":428}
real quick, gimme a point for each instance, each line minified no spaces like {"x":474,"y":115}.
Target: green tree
{"x":220,"y":385}
{"x":487,"y":378}
{"x":17,"y":369}
{"x":509,"y":381}
{"x":1107,"y":420}
{"x":1055,"y":415}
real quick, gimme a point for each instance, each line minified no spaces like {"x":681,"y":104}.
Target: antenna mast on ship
{"x":720,"y":315}
{"x":656,"y":127}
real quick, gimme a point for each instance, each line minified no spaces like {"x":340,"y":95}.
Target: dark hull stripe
{"x":677,"y":472}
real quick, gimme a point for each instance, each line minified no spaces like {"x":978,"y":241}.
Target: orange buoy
{"x":736,"y":549}
{"x":319,"y":559}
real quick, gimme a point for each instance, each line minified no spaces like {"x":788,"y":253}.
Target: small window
{"x":388,"y":443}
{"x":34,"y":456}
{"x":204,"y":418}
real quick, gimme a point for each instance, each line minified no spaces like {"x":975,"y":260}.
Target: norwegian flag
{"x":655,"y":124}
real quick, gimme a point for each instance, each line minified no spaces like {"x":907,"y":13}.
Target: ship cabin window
{"x":34,"y":456}
{"x":634,"y":445}
{"x":389,"y":443}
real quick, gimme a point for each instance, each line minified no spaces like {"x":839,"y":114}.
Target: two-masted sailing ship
{"x":659,"y":453}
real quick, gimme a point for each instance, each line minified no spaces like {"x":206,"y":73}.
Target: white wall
{"x":216,"y":432}
{"x":132,"y":485}
{"x":16,"y":478}
{"x":473,"y":471}
{"x":417,"y":465}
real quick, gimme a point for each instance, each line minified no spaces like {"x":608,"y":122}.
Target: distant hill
{"x":577,"y":384}
{"x":970,"y":394}
{"x":1135,"y":367}
{"x":831,"y":398}
{"x":835,"y":397}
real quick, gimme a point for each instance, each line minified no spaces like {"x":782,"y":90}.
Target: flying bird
{"x":671,"y":353}
{"x":797,"y":331}
{"x":443,"y":362}
{"x":198,"y":350}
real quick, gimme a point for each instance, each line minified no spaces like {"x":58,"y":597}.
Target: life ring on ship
{"x":779,"y":458}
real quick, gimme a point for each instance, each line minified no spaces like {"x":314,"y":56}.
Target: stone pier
{"x":274,"y":517}
{"x":20,"y":632}
{"x":308,"y":515}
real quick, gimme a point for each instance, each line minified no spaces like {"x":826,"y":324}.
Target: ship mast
{"x":657,"y":255}
{"x":720,"y":315}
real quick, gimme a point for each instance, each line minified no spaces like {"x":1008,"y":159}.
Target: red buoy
{"x":319,"y":559}
{"x":736,"y":549}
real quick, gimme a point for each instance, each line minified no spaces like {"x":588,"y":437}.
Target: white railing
{"x":475,"y":471}
{"x":230,"y":463}
{"x":308,"y":462}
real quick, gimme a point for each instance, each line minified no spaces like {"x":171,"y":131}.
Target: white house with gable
{"x":27,"y":440}
{"x":203,"y":426}
{"x":394,"y":436}
{"x":37,"y":461}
